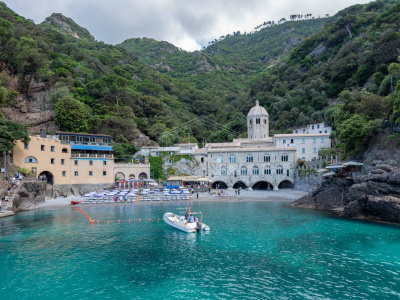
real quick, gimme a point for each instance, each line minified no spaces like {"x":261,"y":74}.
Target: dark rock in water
{"x":353,"y":209}
{"x":385,"y":208}
{"x":329,"y":198}
{"x":375,"y":196}
{"x":307,"y":201}
{"x":29,"y":196}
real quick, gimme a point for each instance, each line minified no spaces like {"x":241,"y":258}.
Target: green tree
{"x":72,"y":115}
{"x":11,"y":132}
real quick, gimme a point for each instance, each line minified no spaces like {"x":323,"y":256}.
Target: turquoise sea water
{"x":255,"y":250}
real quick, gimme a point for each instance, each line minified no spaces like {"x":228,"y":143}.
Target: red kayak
{"x":75,"y":202}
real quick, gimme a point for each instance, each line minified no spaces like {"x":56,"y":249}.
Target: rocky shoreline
{"x":374,"y":196}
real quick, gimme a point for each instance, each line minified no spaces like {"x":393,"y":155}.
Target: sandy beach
{"x":282,"y":195}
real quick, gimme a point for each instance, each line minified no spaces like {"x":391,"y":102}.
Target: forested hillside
{"x":92,"y":86}
{"x":228,"y":66}
{"x":342,"y":69}
{"x":344,"y":75}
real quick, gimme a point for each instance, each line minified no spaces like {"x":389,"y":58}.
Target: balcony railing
{"x":85,"y":143}
{"x":85,"y":155}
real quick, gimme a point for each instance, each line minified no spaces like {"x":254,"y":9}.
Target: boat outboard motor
{"x":198,"y":226}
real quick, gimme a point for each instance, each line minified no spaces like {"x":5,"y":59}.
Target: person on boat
{"x":175,"y":219}
{"x":191,"y":219}
{"x":195,"y":219}
{"x":187,"y":216}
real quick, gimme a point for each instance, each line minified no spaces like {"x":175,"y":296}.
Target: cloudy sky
{"x":189,"y":24}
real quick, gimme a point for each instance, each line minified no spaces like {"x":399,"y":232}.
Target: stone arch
{"x":222,"y":185}
{"x":142,"y":176}
{"x":286,"y":184}
{"x":239,"y":184}
{"x":263,"y":185}
{"x":132,"y":176}
{"x":30,"y":159}
{"x":49,"y":176}
{"x":120,"y":176}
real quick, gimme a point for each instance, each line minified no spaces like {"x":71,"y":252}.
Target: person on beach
{"x":1,"y":209}
{"x":218,"y":193}
{"x":197,"y":195}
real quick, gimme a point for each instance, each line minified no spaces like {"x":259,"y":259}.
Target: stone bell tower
{"x":257,"y":123}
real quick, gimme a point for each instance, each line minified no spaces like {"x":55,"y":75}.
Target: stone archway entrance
{"x":220,"y":185}
{"x":120,"y":176}
{"x":47,"y":176}
{"x":263,"y":185}
{"x":142,"y":176}
{"x":286,"y":184}
{"x":239,"y":184}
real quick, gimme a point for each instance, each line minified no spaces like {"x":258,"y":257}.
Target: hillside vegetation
{"x":342,"y":69}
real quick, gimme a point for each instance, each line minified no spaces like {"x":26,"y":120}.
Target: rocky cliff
{"x":374,"y":195}
{"x":29,"y":196}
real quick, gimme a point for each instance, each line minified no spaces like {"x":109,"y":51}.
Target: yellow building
{"x":68,"y":158}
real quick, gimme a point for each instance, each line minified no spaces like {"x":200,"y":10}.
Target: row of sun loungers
{"x":150,"y":197}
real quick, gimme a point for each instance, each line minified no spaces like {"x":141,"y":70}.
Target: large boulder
{"x":29,"y":196}
{"x":354,"y":209}
{"x":307,"y":201}
{"x":384,"y":207}
{"x":330,"y":198}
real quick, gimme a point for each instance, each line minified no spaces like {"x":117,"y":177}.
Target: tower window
{"x":265,"y":121}
{"x":258,"y":121}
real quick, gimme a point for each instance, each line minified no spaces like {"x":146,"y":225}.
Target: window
{"x":220,"y":159}
{"x":232,"y":159}
{"x":267,"y":158}
{"x":104,"y":162}
{"x":223,"y":171}
{"x":76,"y":173}
{"x":52,"y":161}
{"x":30,"y":159}
{"x":285,"y":157}
{"x":258,"y":121}
{"x":303,"y":150}
{"x":303,"y":140}
{"x":26,"y":146}
{"x":243,"y":171}
{"x":90,"y":162}
{"x":251,"y":122}
{"x":90,"y":173}
{"x":249,"y":158}
{"x":202,"y":159}
{"x":265,"y":121}
{"x":287,"y":173}
{"x":75,"y":162}
{"x":279,"y":170}
{"x":314,"y":140}
{"x":326,"y":131}
{"x":52,"y":148}
{"x":318,"y":126}
{"x":64,"y":150}
{"x":235,"y":173}
{"x":42,"y":147}
{"x":64,"y":173}
{"x":303,"y":158}
{"x":312,"y":127}
{"x":314,"y":150}
{"x":292,"y":141}
{"x":267,"y":170}
{"x":296,"y":131}
{"x":322,"y":140}
{"x":304,"y":131}
{"x":284,"y":141}
{"x":104,"y":173}
{"x":256,"y":171}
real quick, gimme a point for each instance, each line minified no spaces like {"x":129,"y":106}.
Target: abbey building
{"x":253,"y":162}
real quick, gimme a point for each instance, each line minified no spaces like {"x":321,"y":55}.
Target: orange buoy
{"x":119,"y":221}
{"x":140,"y":220}
{"x":98,"y":221}
{"x":149,"y":220}
{"x":108,"y":221}
{"x":158,"y":219}
{"x":129,"y":220}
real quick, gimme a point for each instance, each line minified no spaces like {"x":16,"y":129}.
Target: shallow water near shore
{"x":255,"y":250}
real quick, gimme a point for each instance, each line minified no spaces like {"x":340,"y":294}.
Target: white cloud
{"x":186,"y":24}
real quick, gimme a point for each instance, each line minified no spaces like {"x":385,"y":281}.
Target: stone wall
{"x":78,"y":189}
